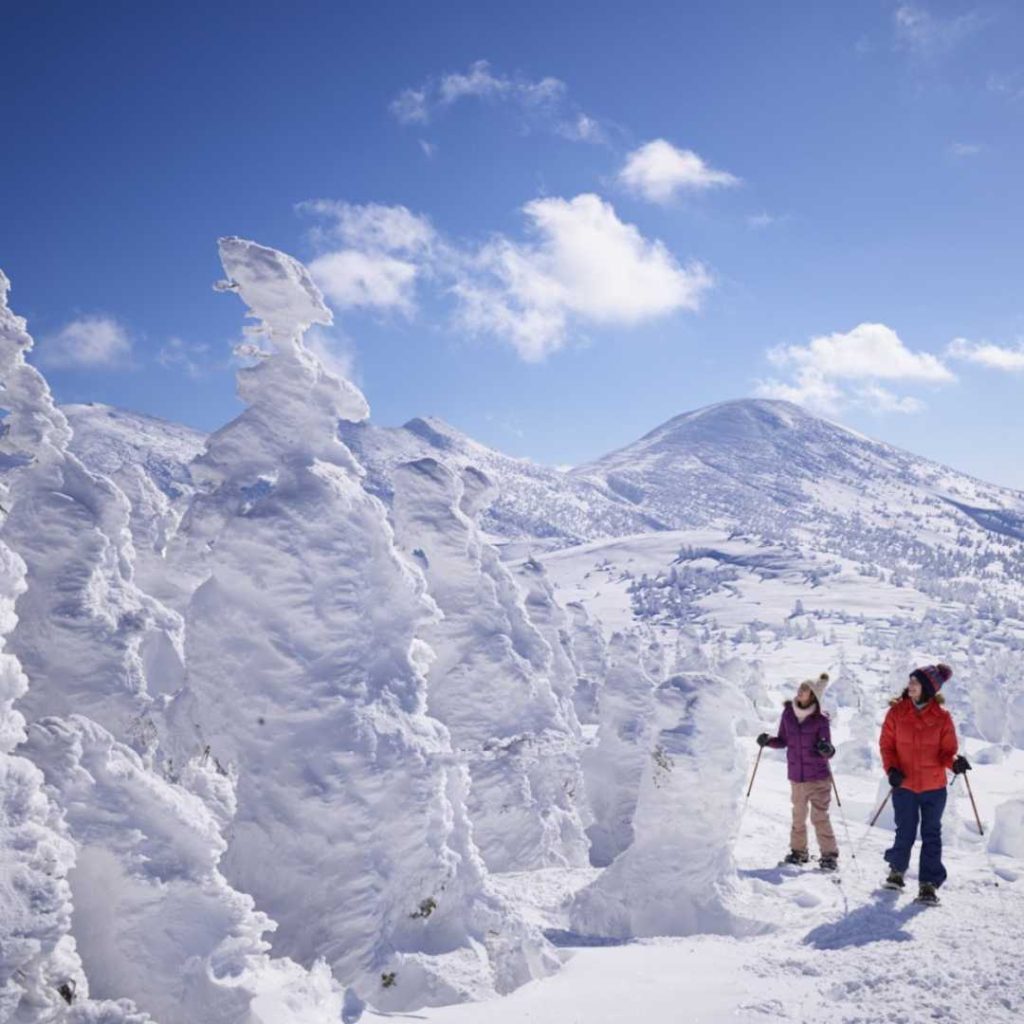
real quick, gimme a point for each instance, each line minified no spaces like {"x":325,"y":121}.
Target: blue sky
{"x":554,"y":231}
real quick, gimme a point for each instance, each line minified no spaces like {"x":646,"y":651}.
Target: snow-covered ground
{"x":835,"y":948}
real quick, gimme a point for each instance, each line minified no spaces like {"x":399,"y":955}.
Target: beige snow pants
{"x":817,"y":795}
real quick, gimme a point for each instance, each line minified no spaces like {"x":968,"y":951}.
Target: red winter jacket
{"x":922,"y":744}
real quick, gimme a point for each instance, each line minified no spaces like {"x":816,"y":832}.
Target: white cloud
{"x":544,"y":101}
{"x":192,"y":358}
{"x":759,"y":221}
{"x":410,"y":106}
{"x":964,"y":149}
{"x":373,"y":226}
{"x":88,"y":342}
{"x":429,"y":149}
{"x":582,"y":129}
{"x":375,"y":254}
{"x":925,"y":34}
{"x":658,"y":171}
{"x":995,"y":357}
{"x":334,"y":350}
{"x":837,"y":370}
{"x":868,"y":351}
{"x":581,"y":265}
{"x":354,"y":279}
{"x":585,"y":266}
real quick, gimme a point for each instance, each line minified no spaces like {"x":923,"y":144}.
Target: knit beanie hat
{"x":931,"y":678}
{"x":817,"y":686}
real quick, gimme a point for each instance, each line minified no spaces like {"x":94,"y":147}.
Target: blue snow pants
{"x":910,"y":808}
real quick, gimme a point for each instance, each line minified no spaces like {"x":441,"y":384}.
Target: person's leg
{"x":798,"y":832}
{"x":931,"y":869}
{"x":820,"y":795}
{"x":905,"y":809}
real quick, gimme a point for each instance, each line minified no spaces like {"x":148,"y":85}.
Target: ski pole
{"x":842,"y":816}
{"x":880,"y":809}
{"x":835,"y":789}
{"x":974,"y":806}
{"x":753,"y":774}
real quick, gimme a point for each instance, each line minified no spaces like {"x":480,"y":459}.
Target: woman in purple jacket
{"x":805,"y":734}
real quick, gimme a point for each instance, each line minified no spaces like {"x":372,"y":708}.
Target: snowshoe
{"x":927,"y":895}
{"x":828,"y":862}
{"x":894,"y":881}
{"x":796,"y":857}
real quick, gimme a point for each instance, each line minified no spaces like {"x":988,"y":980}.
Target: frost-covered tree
{"x":674,"y":877}
{"x":144,"y":913}
{"x":309,"y":683}
{"x":491,"y":681}
{"x":614,"y":766}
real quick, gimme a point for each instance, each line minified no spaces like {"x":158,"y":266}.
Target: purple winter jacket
{"x":804,"y":763}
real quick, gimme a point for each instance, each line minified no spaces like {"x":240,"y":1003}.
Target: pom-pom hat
{"x":817,"y":686}
{"x":931,"y":678}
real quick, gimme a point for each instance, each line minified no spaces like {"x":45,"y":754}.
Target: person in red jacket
{"x":918,"y":744}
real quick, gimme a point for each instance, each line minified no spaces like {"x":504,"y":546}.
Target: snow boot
{"x":894,"y":881}
{"x":828,"y":862}
{"x":927,"y":895}
{"x":796,"y":857}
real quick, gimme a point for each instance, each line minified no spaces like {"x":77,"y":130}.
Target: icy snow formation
{"x":590,"y":656}
{"x":552,"y":623}
{"x":153,"y":917}
{"x":117,"y":864}
{"x":673,"y":878}
{"x":614,"y":766}
{"x":491,"y":681}
{"x":309,"y":683}
{"x":89,"y":639}
{"x":1008,"y":833}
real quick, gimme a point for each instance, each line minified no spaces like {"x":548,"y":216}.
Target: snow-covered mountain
{"x":771,"y":469}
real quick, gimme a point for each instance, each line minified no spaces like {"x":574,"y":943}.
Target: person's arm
{"x":781,"y":740}
{"x":887,"y":742}
{"x":824,"y":744}
{"x":947,"y":743}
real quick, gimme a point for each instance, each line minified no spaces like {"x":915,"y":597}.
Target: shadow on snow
{"x":878,"y":921}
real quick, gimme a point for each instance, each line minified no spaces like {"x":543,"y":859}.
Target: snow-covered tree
{"x":309,"y":683}
{"x":491,"y":682}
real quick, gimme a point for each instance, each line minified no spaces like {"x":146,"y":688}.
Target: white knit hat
{"x":818,"y":685}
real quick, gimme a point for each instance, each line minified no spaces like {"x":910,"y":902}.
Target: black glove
{"x":896,"y":777}
{"x":763,"y":740}
{"x":961,"y":765}
{"x":824,"y":748}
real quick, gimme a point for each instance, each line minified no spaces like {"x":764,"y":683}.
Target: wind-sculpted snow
{"x":491,"y":681}
{"x":308,"y":682}
{"x":108,"y":860}
{"x":674,"y":877}
{"x":590,"y":655}
{"x":148,"y":460}
{"x":85,"y":630}
{"x":153,"y":916}
{"x":614,"y":766}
